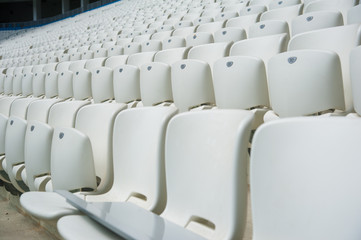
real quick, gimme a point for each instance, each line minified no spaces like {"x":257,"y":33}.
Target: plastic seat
{"x":269,"y":27}
{"x":199,"y":38}
{"x":173,"y":42}
{"x":87,"y":162}
{"x":155,"y":84}
{"x":354,"y":15}
{"x":243,"y":22}
{"x":183,"y":216}
{"x":230,"y":34}
{"x":253,"y":9}
{"x":316,"y":20}
{"x":225,"y":15}
{"x":315,"y":86}
{"x":259,"y":2}
{"x":274,"y":4}
{"x":151,"y":45}
{"x":339,"y":39}
{"x":341,"y":5}
{"x":139,"y":59}
{"x":261,"y":47}
{"x":355,"y":57}
{"x":161,"y":35}
{"x":210,"y":27}
{"x":183,"y":32}
{"x":240,"y":82}
{"x":169,"y":56}
{"x":285,"y":14}
{"x":133,"y":47}
{"x":284,"y":178}
{"x":115,"y":50}
{"x":183,"y":23}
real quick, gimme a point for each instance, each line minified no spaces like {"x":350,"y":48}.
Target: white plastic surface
{"x":338,"y":39}
{"x":126,"y":83}
{"x":298,"y":186}
{"x":269,"y":27}
{"x":230,"y":34}
{"x":206,"y":146}
{"x":355,"y":58}
{"x":191,"y":84}
{"x":240,"y":82}
{"x":155,"y":83}
{"x":316,"y":20}
{"x":305,"y":82}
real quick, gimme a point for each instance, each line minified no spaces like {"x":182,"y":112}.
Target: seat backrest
{"x":126,"y":83}
{"x":174,"y":42}
{"x":191,"y":84}
{"x":281,"y":4}
{"x":183,"y":32}
{"x":199,"y":38}
{"x":288,"y":165}
{"x":269,"y":27}
{"x":316,"y":20}
{"x":285,"y":14}
{"x":210,"y":27}
{"x":262,"y":47}
{"x":130,"y":132}
{"x":225,"y":15}
{"x":354,"y":15}
{"x":252,"y":9}
{"x":355,"y":58}
{"x":338,"y":39}
{"x":133,"y":47}
{"x":114,"y":61}
{"x":240,"y":82}
{"x":315,"y":85}
{"x":155,"y":83}
{"x":115,"y":50}
{"x":210,"y":52}
{"x":151,"y":45}
{"x":38,"y":81}
{"x":243,"y":21}
{"x":169,"y":56}
{"x":138,"y":59}
{"x":230,"y":34}
{"x":213,"y":157}
{"x":82,"y":157}
{"x":17,"y":81}
{"x":340,"y":5}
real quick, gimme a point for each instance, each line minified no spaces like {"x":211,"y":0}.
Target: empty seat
{"x":269,"y":27}
{"x":261,"y":47}
{"x":243,"y":22}
{"x":288,"y":165}
{"x":340,"y":5}
{"x":354,"y":15}
{"x":240,"y":82}
{"x":210,"y":27}
{"x":230,"y":34}
{"x":316,"y":20}
{"x":174,"y":42}
{"x":151,"y":45}
{"x":133,"y":47}
{"x":314,"y":88}
{"x":285,"y":14}
{"x":339,"y":39}
{"x":183,"y":32}
{"x":192,"y":215}
{"x":355,"y":57}
{"x":253,"y":9}
{"x":199,"y":38}
{"x":87,"y":163}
